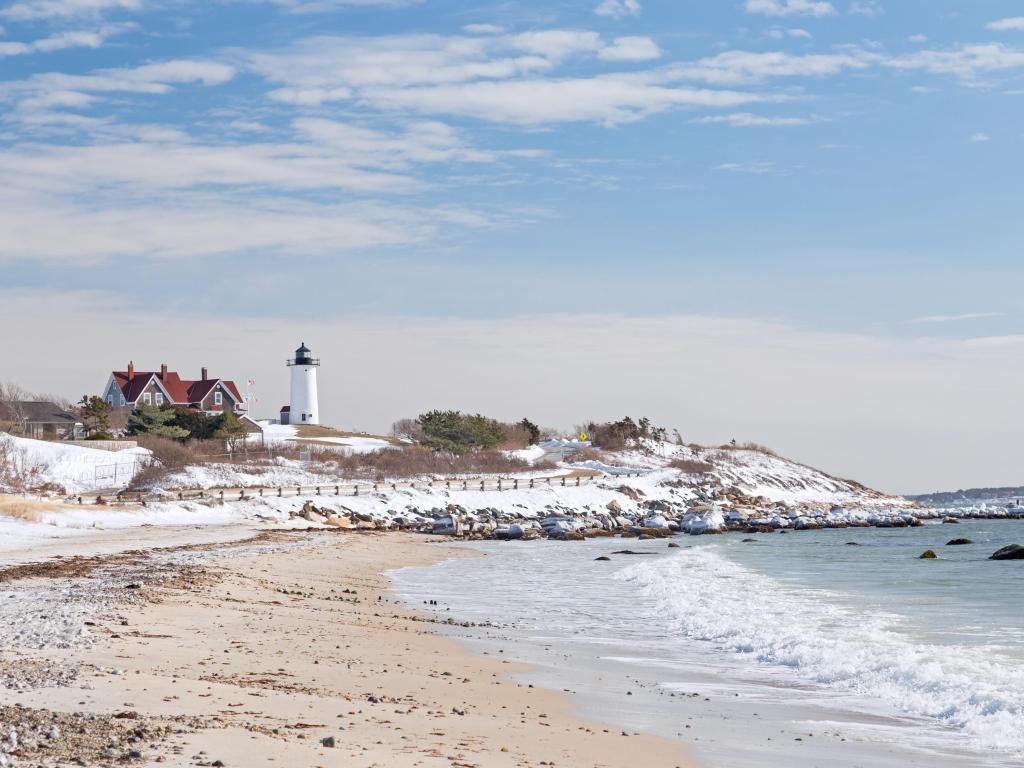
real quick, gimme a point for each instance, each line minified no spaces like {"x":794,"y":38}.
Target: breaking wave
{"x":822,"y":639}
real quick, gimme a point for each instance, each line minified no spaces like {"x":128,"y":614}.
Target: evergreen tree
{"x":457,"y":432}
{"x":231,"y":429}
{"x":154,"y":420}
{"x":532,"y":429}
{"x":95,"y":413}
{"x":199,"y":425}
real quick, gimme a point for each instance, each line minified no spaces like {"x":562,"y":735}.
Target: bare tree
{"x":12,"y":413}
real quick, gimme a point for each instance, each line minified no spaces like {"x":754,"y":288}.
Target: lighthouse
{"x":304,"y":408}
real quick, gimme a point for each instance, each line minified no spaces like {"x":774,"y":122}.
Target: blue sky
{"x":843,"y":167}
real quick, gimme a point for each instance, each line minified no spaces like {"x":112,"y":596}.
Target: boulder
{"x":614,"y":507}
{"x":1012,"y":552}
{"x":958,"y":542}
{"x":602,"y":557}
{"x":928,"y":555}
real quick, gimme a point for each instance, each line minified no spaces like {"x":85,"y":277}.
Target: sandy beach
{"x":284,"y":649}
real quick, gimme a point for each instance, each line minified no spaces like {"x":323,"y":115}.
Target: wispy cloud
{"x":757,"y":168}
{"x":791,"y":7}
{"x":1014,"y":24}
{"x":63,"y":40}
{"x":616,"y":9}
{"x":749,"y":120}
{"x":32,"y":10}
{"x":868,"y":8}
{"x":929,"y":319}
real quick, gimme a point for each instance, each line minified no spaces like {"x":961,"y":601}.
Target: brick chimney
{"x":205,"y":374}
{"x":163,"y":371}
{"x":131,"y":371}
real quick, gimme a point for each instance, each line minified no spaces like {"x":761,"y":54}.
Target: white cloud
{"x":46,"y":229}
{"x":63,"y":40}
{"x":869,"y":8}
{"x":748,"y":120}
{"x":32,"y":10}
{"x":630,"y":49}
{"x":757,"y":168}
{"x":791,"y":7}
{"x":740,"y":67}
{"x":980,"y":138}
{"x":1014,"y":24}
{"x":502,"y":78}
{"x":930,"y":319}
{"x":918,"y":38}
{"x":968,"y":62}
{"x":609,"y":99}
{"x":616,"y":9}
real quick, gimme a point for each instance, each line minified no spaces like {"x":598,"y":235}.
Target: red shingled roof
{"x":181,"y":391}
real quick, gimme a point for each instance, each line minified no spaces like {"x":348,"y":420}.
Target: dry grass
{"x":691,"y":466}
{"x":319,"y":430}
{"x":757,"y":447}
{"x":30,"y":510}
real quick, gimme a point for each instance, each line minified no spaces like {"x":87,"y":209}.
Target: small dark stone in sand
{"x":673,"y":545}
{"x":852,"y":544}
{"x":928,"y":555}
{"x":958,"y":542}
{"x":602,"y":558}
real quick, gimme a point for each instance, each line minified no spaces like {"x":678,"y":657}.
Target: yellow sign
{"x":583,"y":436}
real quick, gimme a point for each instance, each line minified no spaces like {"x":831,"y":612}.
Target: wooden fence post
{"x":280,"y":491}
{"x":531,"y":482}
{"x":515,"y":484}
{"x":222,"y":495}
{"x":563,"y":481}
{"x":499,"y":483}
{"x":481,"y":485}
{"x":337,"y":490}
{"x":577,"y":481}
{"x":465,"y":485}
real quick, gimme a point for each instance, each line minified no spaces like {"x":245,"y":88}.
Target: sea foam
{"x":819,"y":637}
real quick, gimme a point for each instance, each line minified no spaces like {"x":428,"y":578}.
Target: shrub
{"x":621,"y":434}
{"x":457,"y":432}
{"x":691,"y":466}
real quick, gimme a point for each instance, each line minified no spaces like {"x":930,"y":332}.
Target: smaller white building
{"x":304,"y":407}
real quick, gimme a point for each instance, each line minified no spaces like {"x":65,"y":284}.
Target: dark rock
{"x":747,"y":541}
{"x":951,"y":521}
{"x":958,"y":542}
{"x":328,"y":741}
{"x":602,"y":558}
{"x":673,"y":545}
{"x":853,"y":544}
{"x":1012,"y":552}
{"x":929,"y":555}
{"x":631,"y":552}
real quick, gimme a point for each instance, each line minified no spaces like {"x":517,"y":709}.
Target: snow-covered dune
{"x":69,"y":468}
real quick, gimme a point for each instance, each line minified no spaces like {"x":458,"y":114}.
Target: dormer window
{"x":159,"y":398}
{"x":218,"y":398}
{"x":147,"y":398}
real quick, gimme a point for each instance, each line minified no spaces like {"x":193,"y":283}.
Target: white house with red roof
{"x":132,"y":388}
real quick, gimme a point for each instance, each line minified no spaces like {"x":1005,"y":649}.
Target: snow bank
{"x":71,"y":467}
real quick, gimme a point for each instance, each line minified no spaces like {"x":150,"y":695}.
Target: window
{"x":147,"y":398}
{"x":159,"y":398}
{"x":218,"y":398}
{"x":303,"y":417}
{"x":110,"y":399}
{"x":123,"y":401}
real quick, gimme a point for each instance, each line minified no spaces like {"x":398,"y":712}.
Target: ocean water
{"x":900,"y":660}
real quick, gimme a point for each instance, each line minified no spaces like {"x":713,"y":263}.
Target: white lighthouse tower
{"x":304,"y":406}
